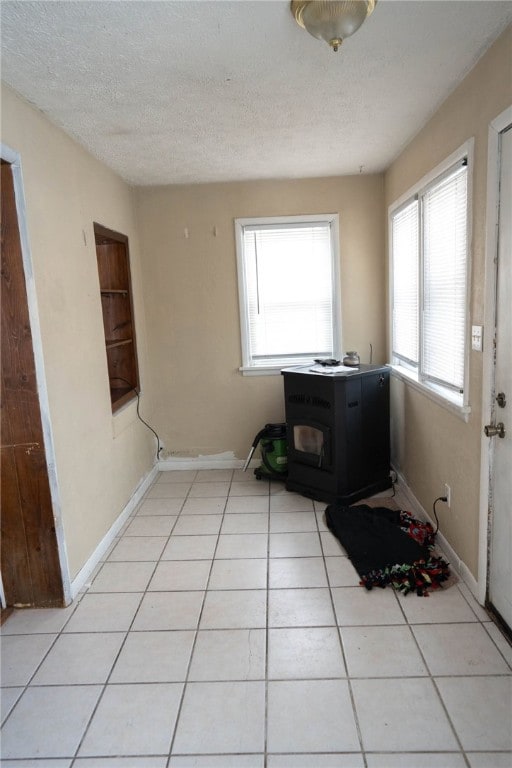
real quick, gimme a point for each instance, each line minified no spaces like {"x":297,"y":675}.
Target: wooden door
{"x":30,"y":566}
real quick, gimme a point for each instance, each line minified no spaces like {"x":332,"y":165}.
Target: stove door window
{"x":311,"y":444}
{"x":309,"y":440}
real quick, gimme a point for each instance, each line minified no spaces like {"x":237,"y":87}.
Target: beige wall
{"x":431,"y":446}
{"x":204,"y":406}
{"x":100,"y":460}
{"x":186,"y":308}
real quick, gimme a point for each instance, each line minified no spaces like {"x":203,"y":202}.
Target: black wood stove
{"x":338,"y":432}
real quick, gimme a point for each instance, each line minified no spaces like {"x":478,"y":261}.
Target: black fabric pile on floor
{"x":388,"y":546}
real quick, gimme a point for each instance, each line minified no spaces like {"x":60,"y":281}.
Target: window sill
{"x":275,"y":368}
{"x":437,"y":394}
{"x":261,"y":370}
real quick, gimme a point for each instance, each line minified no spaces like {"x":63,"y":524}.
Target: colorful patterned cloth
{"x":389,"y":547}
{"x":421,"y":576}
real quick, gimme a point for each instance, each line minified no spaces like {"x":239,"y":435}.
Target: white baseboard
{"x":218,"y":461}
{"x":87,"y":569}
{"x":458,"y":565}
{"x":205,"y":462}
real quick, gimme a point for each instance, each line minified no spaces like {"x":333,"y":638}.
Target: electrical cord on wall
{"x":159,"y":447}
{"x":439,"y":498}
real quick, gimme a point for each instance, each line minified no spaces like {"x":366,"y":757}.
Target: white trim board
{"x":81,"y":579}
{"x":447,"y":550}
{"x":218,"y":461}
{"x":3,"y":604}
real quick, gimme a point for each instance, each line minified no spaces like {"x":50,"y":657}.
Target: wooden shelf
{"x":118,"y":320}
{"x":121,"y":389}
{"x":112,"y":344}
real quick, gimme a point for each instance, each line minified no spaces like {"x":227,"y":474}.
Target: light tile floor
{"x":226,"y":629}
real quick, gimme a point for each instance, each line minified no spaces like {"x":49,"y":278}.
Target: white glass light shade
{"x":332,"y":20}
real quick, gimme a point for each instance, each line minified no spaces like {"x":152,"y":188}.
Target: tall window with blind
{"x":429,"y":247}
{"x":288,"y":289}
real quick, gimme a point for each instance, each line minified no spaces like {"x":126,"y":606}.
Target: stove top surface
{"x":335,"y":370}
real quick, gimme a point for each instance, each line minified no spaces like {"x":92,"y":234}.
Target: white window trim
{"x":436,"y":393}
{"x":333,"y":220}
{"x":457,"y":404}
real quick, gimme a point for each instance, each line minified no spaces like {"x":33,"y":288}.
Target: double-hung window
{"x":429,"y":283}
{"x":288,"y":280}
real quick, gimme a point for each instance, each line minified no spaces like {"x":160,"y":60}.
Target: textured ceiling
{"x":218,"y":90}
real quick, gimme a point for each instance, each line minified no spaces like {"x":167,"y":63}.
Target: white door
{"x":500,"y":572}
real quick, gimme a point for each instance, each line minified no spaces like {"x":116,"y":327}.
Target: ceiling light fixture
{"x":331,"y":20}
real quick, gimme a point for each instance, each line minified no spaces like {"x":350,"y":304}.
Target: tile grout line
{"x":430,"y":677}
{"x":143,"y":594}
{"x":483,"y":623}
{"x":337,"y":626}
{"x":196,"y":633}
{"x":342,"y":649}
{"x":52,"y":645}
{"x":267,"y":606}
{"x":262,"y":679}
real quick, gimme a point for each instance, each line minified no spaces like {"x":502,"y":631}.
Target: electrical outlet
{"x":448,"y":494}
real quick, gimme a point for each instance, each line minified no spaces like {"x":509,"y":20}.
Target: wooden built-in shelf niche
{"x":118,"y":318}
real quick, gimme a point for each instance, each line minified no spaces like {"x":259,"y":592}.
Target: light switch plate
{"x":476,"y":337}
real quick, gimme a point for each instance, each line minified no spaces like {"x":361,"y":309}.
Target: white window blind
{"x":405,"y":282}
{"x":444,"y":280}
{"x":429,"y":281}
{"x":288,"y":291}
